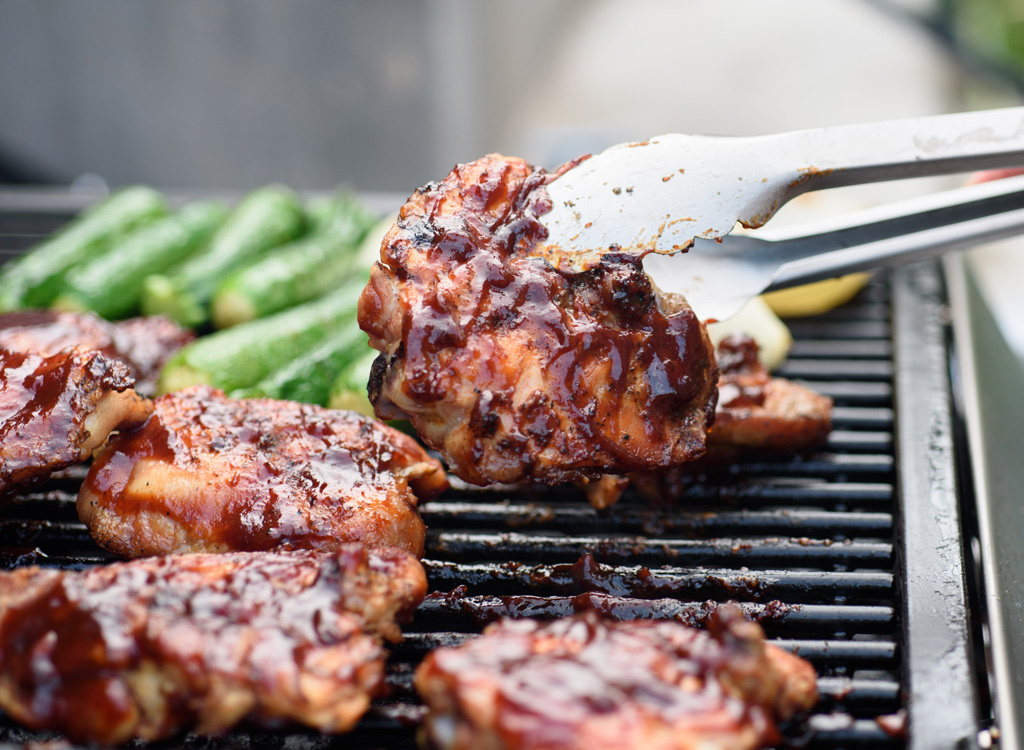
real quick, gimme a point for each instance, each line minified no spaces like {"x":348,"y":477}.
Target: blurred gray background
{"x":235,"y":93}
{"x":387,"y":94}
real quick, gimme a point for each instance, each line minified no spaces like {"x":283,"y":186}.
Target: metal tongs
{"x":677,"y":192}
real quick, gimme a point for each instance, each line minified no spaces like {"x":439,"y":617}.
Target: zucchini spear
{"x":348,"y":391}
{"x":297,"y":272}
{"x":308,"y":378}
{"x":110,"y":285}
{"x":242,"y":356}
{"x":34,"y":279}
{"x":264,"y":219}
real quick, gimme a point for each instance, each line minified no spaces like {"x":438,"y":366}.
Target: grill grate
{"x":806,"y":545}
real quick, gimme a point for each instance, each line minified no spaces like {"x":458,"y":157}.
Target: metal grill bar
{"x":829,"y":369}
{"x":853,"y":393}
{"x":850,"y":417}
{"x":934,"y":596}
{"x":776,"y":617}
{"x":738,"y":551}
{"x":796,"y":492}
{"x":846,"y":349}
{"x":686,"y":583}
{"x":576,"y":518}
{"x":849,"y":441}
{"x":839,"y":330}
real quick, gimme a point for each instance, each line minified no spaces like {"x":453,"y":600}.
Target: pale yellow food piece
{"x":369,"y":248}
{"x":352,"y":401}
{"x":816,"y":298}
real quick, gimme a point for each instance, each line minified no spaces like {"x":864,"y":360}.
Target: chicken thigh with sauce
{"x":151,"y":647}
{"x":514,"y":369}
{"x":211,"y":474}
{"x":143,"y":344}
{"x":581,"y":683}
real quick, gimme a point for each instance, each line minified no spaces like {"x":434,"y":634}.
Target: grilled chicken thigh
{"x":583,"y":683}
{"x":211,"y":474}
{"x":515,"y":370}
{"x":152,"y":647}
{"x":144,"y":344}
{"x":56,"y":409}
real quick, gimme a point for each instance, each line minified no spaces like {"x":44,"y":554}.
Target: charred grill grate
{"x":807,"y":546}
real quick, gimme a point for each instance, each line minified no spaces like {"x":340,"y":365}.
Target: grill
{"x":851,"y":557}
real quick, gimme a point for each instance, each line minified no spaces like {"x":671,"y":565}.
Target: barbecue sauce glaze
{"x":583,"y":682}
{"x":516,"y":369}
{"x":44,"y":404}
{"x":150,"y":647}
{"x":256,"y":474}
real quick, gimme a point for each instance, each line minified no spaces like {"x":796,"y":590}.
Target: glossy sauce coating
{"x":737,"y":356}
{"x":581,"y":682}
{"x":514,"y":369}
{"x":151,"y":647}
{"x":143,"y":344}
{"x":46,"y":403}
{"x":209,"y":473}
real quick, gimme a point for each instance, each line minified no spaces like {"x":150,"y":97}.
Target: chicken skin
{"x":211,"y":474}
{"x":56,"y":409}
{"x":756,"y":410}
{"x":152,"y":647}
{"x":513,"y":369}
{"x":143,"y":344}
{"x":585,"y":684}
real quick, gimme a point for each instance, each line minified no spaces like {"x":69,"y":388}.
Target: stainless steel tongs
{"x":673,"y":191}
{"x":717,"y":279}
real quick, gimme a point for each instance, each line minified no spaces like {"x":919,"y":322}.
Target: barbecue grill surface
{"x":807,"y":545}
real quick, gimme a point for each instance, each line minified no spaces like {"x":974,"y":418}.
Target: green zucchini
{"x":308,"y":378}
{"x":348,"y":391}
{"x":36,"y":278}
{"x":297,"y":272}
{"x":264,"y":219}
{"x":346,"y":216}
{"x":110,"y":285}
{"x":369,"y":248}
{"x":319,"y":211}
{"x":242,"y":356}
